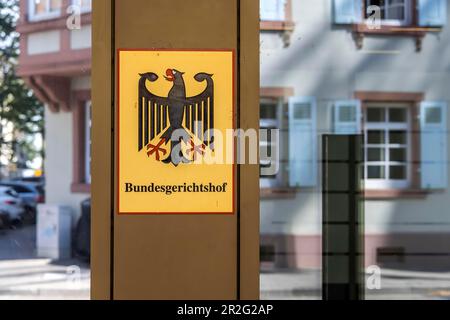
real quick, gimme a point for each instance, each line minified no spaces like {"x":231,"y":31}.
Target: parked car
{"x":31,"y":194}
{"x":11,"y":206}
{"x":36,"y":180}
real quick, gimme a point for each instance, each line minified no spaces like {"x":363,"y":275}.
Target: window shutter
{"x":272,"y":10}
{"x":433,"y":142}
{"x":432,"y":13}
{"x":347,"y":117}
{"x":302,"y":142}
{"x":347,"y":11}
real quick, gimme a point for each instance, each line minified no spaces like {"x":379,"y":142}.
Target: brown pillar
{"x":167,"y":256}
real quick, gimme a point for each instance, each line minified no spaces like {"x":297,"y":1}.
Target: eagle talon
{"x":156,"y":149}
{"x":196,"y":149}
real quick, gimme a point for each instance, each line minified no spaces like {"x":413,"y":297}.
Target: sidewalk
{"x":395,"y":285}
{"x":24,"y":276}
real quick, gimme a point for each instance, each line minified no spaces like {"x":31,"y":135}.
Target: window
{"x":276,"y":15}
{"x":387,"y":146}
{"x":270,"y":118}
{"x":267,"y":253}
{"x":273,"y":10}
{"x":85,"y":5}
{"x":391,"y":17}
{"x":425,"y":13}
{"x":295,"y":118}
{"x":44,"y":9}
{"x":82,"y":142}
{"x":392,"y":12}
{"x":20,"y":189}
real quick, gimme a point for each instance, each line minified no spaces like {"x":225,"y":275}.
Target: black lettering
{"x":128,"y":187}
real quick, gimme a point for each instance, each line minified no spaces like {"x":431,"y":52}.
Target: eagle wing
{"x":199,"y":111}
{"x":153,"y":113}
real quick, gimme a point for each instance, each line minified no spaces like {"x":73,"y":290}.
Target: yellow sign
{"x":173,"y":106}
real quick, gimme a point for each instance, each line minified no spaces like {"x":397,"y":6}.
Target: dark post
{"x":342,"y":214}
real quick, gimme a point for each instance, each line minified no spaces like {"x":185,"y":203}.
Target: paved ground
{"x":24,"y":276}
{"x":394,"y":285}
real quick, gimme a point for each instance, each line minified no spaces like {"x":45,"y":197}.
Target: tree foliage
{"x":21,"y":114}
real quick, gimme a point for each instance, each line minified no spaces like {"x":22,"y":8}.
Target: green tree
{"x":21,"y":114}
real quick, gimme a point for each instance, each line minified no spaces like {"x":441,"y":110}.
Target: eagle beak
{"x":169,"y":75}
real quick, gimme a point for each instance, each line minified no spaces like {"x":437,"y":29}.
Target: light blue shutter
{"x":432,"y":13}
{"x":433,"y":143}
{"x":302,"y":142}
{"x":347,"y":11}
{"x":272,"y":10}
{"x":347,"y":117}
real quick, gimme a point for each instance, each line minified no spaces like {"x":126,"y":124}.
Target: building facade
{"x":55,"y":61}
{"x":379,"y":68}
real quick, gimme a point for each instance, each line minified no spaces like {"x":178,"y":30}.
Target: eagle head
{"x":172,"y":74}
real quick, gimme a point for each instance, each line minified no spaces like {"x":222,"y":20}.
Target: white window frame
{"x":396,"y":22}
{"x":83,"y":9}
{"x":385,"y":126}
{"x":87,"y":142}
{"x":33,"y":16}
{"x":277,"y":181}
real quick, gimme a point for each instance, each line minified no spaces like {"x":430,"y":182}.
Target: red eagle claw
{"x":200,"y":149}
{"x":156,"y":149}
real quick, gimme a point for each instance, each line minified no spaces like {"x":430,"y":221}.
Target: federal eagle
{"x":190,"y":116}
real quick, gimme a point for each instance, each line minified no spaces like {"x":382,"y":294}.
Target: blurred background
{"x":45,"y":149}
{"x":380,"y":68}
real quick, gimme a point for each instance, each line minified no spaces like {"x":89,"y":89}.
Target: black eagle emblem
{"x":188,"y":117}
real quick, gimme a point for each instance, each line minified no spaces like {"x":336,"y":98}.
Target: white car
{"x":11,"y":206}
